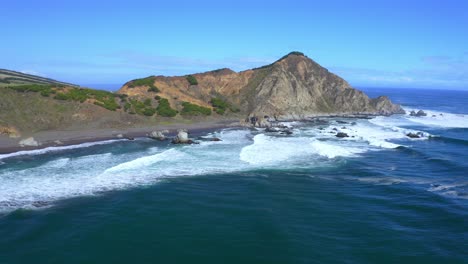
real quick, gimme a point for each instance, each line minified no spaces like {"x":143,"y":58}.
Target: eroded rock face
{"x":297,"y":87}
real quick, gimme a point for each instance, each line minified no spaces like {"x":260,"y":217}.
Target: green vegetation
{"x":141,"y":108}
{"x":192,"y":80}
{"x":297,"y":53}
{"x":149,"y":111}
{"x":32,"y":88}
{"x":148,"y":81}
{"x":153,"y":89}
{"x":164,"y":108}
{"x":193,"y":109}
{"x":46,"y":93}
{"x":221,"y":106}
{"x":102,"y":98}
{"x":127,"y":106}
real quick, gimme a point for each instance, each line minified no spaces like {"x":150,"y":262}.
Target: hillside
{"x":10,"y":78}
{"x":293,"y":87}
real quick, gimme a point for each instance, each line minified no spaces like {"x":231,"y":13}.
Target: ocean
{"x":376,"y":196}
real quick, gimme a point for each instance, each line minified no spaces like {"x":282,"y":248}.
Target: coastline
{"x":75,"y":137}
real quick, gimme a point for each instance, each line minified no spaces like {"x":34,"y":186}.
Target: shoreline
{"x":70,"y":138}
{"x":75,"y":137}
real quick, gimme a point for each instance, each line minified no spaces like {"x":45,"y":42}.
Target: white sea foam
{"x":433,"y":119}
{"x":147,"y":161}
{"x":268,"y":150}
{"x":273,"y":150}
{"x":331,"y":150}
{"x":54,"y":149}
{"x":366,"y":133}
{"x":89,"y":175}
{"x":239,"y":150}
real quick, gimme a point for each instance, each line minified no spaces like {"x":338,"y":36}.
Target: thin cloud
{"x":33,"y":72}
{"x":443,"y":71}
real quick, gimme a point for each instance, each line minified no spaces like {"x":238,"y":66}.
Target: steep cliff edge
{"x":293,"y":87}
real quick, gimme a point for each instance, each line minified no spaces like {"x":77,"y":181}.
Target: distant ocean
{"x":374,"y":197}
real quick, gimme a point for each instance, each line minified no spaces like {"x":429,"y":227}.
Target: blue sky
{"x":420,"y":44}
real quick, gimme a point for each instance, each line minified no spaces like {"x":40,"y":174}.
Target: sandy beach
{"x":73,"y":137}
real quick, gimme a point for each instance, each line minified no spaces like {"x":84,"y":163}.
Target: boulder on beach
{"x":158,"y":135}
{"x":341,"y":135}
{"x":215,"y":139}
{"x":182,"y":138}
{"x":286,"y":132}
{"x":29,"y":142}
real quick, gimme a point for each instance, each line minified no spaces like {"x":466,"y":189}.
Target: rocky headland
{"x":293,"y":88}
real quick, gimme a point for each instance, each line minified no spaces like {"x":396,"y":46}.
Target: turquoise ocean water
{"x":255,"y":197}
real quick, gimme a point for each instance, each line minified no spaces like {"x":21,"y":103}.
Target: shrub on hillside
{"x":164,"y":108}
{"x":193,"y":109}
{"x":192,"y":80}
{"x":221,"y":106}
{"x":153,"y":89}
{"x":148,"y":81}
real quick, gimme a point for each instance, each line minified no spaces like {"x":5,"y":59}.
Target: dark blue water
{"x":254,"y":198}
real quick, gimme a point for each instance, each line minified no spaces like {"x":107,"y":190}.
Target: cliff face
{"x":292,"y":87}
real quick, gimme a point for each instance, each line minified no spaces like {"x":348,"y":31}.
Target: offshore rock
{"x":418,"y":114}
{"x":342,"y":135}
